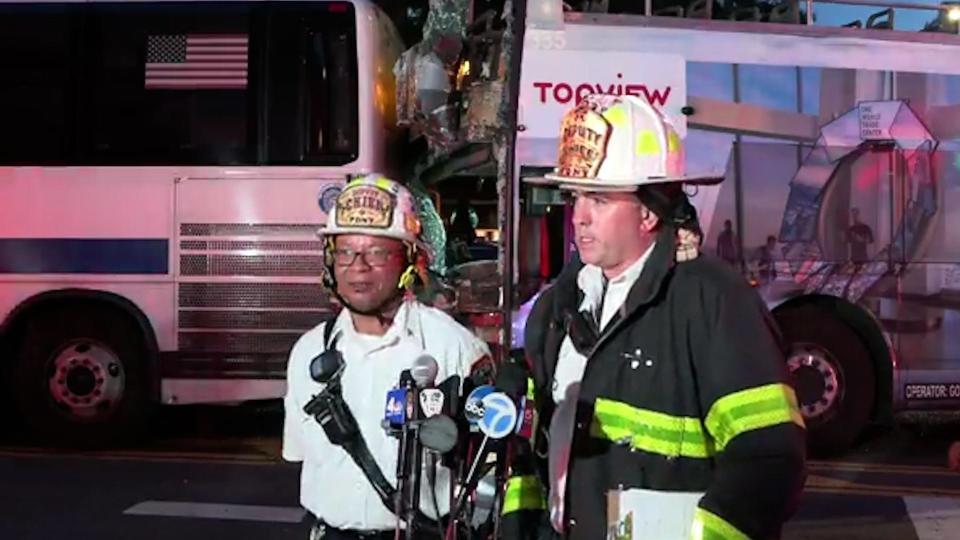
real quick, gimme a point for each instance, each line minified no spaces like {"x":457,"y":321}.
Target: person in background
{"x":727,"y":244}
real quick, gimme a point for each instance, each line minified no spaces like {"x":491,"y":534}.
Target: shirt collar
{"x":406,"y":324}
{"x":590,"y":279}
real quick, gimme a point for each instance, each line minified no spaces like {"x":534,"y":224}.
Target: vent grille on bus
{"x":253,"y":295}
{"x":260,"y":320}
{"x":237,"y":342}
{"x":230,"y":326}
{"x":251,"y":265}
{"x":247,"y":245}
{"x":225,"y":366}
{"x":248,"y":229}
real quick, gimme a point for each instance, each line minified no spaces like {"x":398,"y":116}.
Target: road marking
{"x":826,"y":484}
{"x":926,"y":470}
{"x":145,"y":455}
{"x":245,"y":512}
{"x":933,"y":517}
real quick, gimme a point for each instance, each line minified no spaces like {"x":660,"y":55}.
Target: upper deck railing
{"x":864,"y":14}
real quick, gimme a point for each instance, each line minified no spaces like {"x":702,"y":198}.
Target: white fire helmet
{"x":618,"y":143}
{"x":374,"y":205}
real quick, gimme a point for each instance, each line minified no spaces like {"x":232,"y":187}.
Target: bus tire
{"x":80,"y":376}
{"x":833,"y":376}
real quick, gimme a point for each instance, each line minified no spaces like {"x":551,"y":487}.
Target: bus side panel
{"x":249,"y":266}
{"x":105,"y":229}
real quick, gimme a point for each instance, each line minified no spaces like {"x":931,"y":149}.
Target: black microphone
{"x":327,"y":406}
{"x":512,"y":380}
{"x":439,"y":434}
{"x":326,"y":365}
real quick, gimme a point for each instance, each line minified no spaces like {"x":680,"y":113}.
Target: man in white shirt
{"x":373,"y":256}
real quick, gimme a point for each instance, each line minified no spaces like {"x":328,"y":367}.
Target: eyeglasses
{"x":372,"y":257}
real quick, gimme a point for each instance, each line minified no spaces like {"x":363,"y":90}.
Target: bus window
{"x":168,"y":84}
{"x":311,"y":79}
{"x":37,"y":48}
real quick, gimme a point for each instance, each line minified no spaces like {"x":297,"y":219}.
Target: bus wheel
{"x":833,"y":377}
{"x":80,"y":377}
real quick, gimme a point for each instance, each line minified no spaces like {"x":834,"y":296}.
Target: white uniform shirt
{"x":332,"y":486}
{"x":569,"y":372}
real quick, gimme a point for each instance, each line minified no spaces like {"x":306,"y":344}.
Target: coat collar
{"x":649,"y":285}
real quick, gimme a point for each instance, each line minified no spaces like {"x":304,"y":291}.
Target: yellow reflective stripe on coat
{"x":750,"y":409}
{"x":650,"y":431}
{"x":709,"y":526}
{"x":523,"y":493}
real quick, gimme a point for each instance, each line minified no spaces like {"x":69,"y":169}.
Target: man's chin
{"x":588,"y":257}
{"x":365,"y":303}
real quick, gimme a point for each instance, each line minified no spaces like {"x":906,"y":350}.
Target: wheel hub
{"x":817,"y":379}
{"x":87,"y":379}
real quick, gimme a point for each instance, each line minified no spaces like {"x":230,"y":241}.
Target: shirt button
{"x":571,"y":522}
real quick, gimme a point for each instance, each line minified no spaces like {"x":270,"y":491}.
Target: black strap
{"x":356,"y":447}
{"x":360,"y":453}
{"x":328,"y":331}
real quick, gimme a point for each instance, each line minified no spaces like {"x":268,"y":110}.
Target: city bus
{"x":164,"y":167}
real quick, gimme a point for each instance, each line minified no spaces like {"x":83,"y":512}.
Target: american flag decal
{"x":193,"y":61}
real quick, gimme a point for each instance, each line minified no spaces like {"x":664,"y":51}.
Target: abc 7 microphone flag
{"x":499,"y":415}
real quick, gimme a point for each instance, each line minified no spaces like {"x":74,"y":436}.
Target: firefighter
{"x":661,"y":379}
{"x":373,"y":257}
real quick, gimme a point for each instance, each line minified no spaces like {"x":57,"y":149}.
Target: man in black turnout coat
{"x":662,"y":386}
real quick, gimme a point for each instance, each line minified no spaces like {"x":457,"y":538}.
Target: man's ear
{"x":648,"y":219}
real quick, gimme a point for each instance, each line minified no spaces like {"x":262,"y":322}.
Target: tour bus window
{"x":37,"y":77}
{"x":168,"y":84}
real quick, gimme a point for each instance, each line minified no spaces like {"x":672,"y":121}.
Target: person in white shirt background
{"x":373,"y":257}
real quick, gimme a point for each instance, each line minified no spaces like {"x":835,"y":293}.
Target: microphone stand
{"x":410,"y":459}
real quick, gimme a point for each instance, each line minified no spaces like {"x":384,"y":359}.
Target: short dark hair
{"x":670,"y":203}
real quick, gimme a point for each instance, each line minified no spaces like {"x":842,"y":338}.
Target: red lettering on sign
{"x":563,"y":93}
{"x":543,"y":87}
{"x":567,"y":93}
{"x":583,"y":91}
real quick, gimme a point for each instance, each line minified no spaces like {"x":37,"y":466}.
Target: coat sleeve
{"x":751,"y":415}
{"x":524,"y":515}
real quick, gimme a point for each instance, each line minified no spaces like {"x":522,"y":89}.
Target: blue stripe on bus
{"x":84,"y":256}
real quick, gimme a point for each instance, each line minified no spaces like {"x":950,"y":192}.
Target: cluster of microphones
{"x":469,"y":434}
{"x":494,"y":411}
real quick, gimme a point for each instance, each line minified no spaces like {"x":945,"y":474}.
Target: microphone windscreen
{"x":424,"y":371}
{"x":439,"y":433}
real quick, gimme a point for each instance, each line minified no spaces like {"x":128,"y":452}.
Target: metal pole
{"x":894,"y":5}
{"x":505,"y":148}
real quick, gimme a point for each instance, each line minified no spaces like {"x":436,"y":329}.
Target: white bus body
{"x":163,"y":171}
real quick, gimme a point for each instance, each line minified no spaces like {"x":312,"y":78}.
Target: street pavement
{"x":216,"y":473}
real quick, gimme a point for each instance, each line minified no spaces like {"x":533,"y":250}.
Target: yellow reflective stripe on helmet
{"x":383,"y":183}
{"x":647,"y":143}
{"x":523,"y":493}
{"x":750,"y":409}
{"x":709,"y":526}
{"x":673,"y":141}
{"x":616,"y":115}
{"x":650,"y":431}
